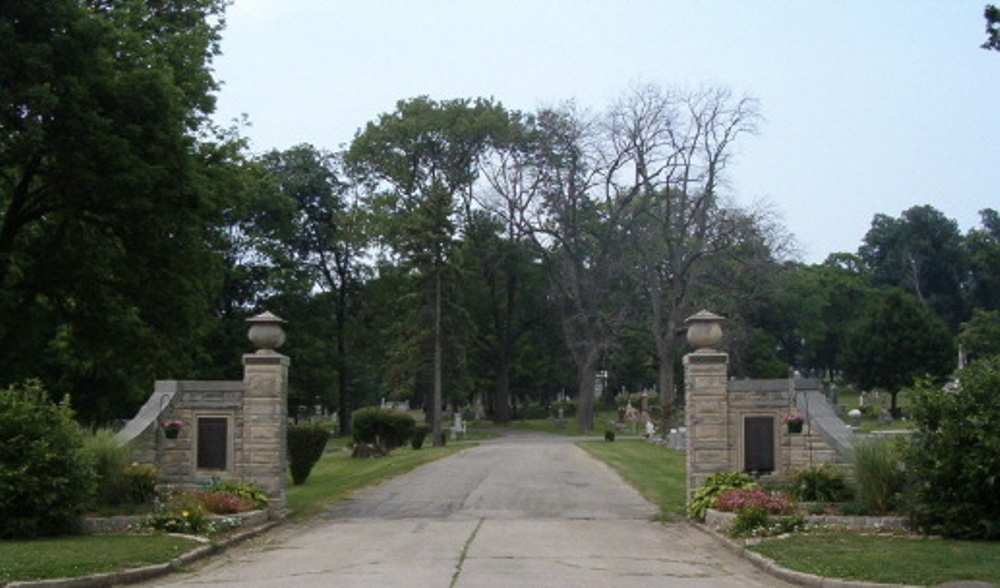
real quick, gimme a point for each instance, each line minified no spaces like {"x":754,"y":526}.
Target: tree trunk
{"x":501,"y":398}
{"x":586,"y":371}
{"x":436,"y":427}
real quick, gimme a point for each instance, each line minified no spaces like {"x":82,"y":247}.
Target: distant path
{"x":525,"y":510}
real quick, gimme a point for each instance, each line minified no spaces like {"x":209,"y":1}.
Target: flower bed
{"x":131,"y":524}
{"x":721,"y":521}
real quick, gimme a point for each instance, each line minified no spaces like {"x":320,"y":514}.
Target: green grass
{"x":336,"y":475}
{"x":570,"y":428}
{"x":886,"y":559}
{"x":656,"y":472}
{"x":68,"y":557}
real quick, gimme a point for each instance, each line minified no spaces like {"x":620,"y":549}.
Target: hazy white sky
{"x":870,"y":106}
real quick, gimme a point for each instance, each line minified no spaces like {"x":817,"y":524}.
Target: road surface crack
{"x":465,"y":553}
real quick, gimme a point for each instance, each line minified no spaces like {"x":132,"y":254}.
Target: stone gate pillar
{"x":265,"y":383}
{"x":706,"y":372}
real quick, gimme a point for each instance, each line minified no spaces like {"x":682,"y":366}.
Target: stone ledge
{"x":124,"y":524}
{"x":721,"y":521}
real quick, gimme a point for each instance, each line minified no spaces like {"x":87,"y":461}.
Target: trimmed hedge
{"x":306,"y":443}
{"x":384,"y":427}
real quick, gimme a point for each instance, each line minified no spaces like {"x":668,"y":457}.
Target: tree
{"x":820,"y":302}
{"x":980,"y":336}
{"x":668,"y":158}
{"x":992,"y":15}
{"x":106,"y":190}
{"x":417,"y":161}
{"x":504,"y":297}
{"x":322,"y":241}
{"x":575,"y":228}
{"x":896,"y":341}
{"x":983,"y":246}
{"x":954,"y":458}
{"x":922,"y":252}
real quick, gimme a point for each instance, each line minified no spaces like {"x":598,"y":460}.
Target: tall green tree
{"x":321,"y":245}
{"x":992,"y":15}
{"x":983,"y":246}
{"x":896,"y":341}
{"x":922,"y":252}
{"x":820,"y":302}
{"x":106,"y":194}
{"x":418,"y":161}
{"x":504,"y":296}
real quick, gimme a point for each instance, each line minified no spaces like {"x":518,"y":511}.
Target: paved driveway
{"x":525,"y":510}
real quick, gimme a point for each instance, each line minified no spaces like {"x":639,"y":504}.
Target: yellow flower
{"x":184,"y":513}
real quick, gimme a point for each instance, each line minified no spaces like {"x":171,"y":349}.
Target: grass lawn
{"x":68,"y":557}
{"x":656,"y":472}
{"x":569,"y":428}
{"x":917,"y":561}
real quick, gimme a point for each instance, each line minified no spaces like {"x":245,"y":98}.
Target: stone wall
{"x":230,"y":430}
{"x":734,"y":425}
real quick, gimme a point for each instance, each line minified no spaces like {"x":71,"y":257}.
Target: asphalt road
{"x":526,"y":510}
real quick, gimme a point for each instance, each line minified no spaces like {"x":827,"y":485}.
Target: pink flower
{"x":737,"y":499}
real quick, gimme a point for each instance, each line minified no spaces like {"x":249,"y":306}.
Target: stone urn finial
{"x":266,"y":332}
{"x":704,"y":330}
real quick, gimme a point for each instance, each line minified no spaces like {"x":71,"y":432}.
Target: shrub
{"x":45,"y":482}
{"x":247,"y":492}
{"x":306,"y":443}
{"x":140,"y":483}
{"x":823,"y":483}
{"x":420,"y":433}
{"x":955,"y":458}
{"x":220,"y":502}
{"x":737,"y":499}
{"x":713,"y":486}
{"x":381,"y":426}
{"x":878,"y":473}
{"x":108,"y":458}
{"x":609,"y":435}
{"x":185,"y":512}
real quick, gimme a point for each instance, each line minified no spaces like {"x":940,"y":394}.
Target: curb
{"x":149,"y":572}
{"x":772,"y":568}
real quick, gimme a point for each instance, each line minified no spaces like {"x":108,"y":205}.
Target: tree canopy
{"x":456,"y":253}
{"x":105,"y":190}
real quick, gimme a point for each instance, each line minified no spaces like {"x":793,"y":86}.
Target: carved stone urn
{"x":266,"y":332}
{"x":704,"y":330}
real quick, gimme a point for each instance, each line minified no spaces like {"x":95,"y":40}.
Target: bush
{"x":705,"y":496}
{"x":306,"y":443}
{"x":186,"y":512}
{"x":737,"y":499}
{"x":247,"y":492}
{"x":45,"y":482}
{"x":823,"y":483}
{"x":878,"y":473}
{"x":420,"y":433}
{"x":955,"y":458}
{"x":108,"y":458}
{"x":140,"y":483}
{"x":380,"y":426}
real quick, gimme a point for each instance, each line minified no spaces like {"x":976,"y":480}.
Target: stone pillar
{"x":265,"y":407}
{"x":706,"y":411}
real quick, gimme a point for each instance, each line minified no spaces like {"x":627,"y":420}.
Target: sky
{"x":869,"y":106}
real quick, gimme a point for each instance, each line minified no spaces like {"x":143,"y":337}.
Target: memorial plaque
{"x":758,"y":444}
{"x":213,"y":443}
